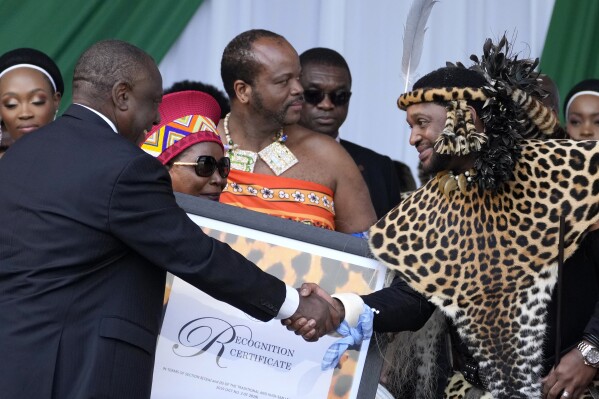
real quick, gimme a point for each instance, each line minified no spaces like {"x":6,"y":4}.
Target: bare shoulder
{"x":313,"y":144}
{"x":321,"y":158}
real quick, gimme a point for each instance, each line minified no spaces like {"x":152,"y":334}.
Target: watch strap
{"x":591,"y":338}
{"x":585,"y":348}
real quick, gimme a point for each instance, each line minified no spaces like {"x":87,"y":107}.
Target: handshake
{"x":318,"y":313}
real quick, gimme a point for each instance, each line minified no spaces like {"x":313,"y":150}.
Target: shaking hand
{"x":318,"y":313}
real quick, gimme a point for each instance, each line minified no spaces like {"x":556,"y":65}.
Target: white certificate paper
{"x":208,"y":349}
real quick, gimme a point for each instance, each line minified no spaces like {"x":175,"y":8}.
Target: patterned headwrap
{"x":510,"y":113}
{"x":187,"y":118}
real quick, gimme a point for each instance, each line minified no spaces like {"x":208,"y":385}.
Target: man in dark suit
{"x":88,"y":228}
{"x":326,"y":80}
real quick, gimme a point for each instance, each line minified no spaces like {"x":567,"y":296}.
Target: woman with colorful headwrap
{"x":186,"y":142}
{"x":31,"y":87}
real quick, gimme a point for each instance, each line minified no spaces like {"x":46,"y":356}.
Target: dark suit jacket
{"x":399,"y":308}
{"x":380,"y":176}
{"x":405,"y":176}
{"x":88,"y":228}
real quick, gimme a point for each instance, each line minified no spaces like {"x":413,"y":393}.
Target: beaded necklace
{"x":277,"y":156}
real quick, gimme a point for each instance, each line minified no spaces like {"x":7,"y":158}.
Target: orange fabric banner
{"x":298,"y":200}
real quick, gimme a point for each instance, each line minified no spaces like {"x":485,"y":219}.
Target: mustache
{"x":295,"y":100}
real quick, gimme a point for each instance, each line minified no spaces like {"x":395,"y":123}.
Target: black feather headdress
{"x":513,"y":111}
{"x":510,"y":92}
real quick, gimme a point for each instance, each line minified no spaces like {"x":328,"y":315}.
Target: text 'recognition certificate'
{"x":209,"y":349}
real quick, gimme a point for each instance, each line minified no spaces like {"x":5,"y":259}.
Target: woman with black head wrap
{"x":31,"y":87}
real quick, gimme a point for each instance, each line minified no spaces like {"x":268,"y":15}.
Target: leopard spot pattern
{"x":489,"y":260}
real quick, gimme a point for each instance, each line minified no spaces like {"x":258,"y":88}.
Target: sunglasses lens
{"x":313,"y":97}
{"x":340,"y":98}
{"x":206,"y":166}
{"x":224,"y":167}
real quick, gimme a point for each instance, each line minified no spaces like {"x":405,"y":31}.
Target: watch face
{"x":592,"y":356}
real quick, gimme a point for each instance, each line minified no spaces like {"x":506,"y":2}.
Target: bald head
{"x":123,"y":83}
{"x":106,"y":63}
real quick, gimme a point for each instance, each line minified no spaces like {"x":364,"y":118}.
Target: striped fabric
{"x":292,"y":199}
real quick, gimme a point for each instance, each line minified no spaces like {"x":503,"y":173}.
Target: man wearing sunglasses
{"x":326,"y":80}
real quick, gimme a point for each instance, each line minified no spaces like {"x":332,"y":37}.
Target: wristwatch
{"x":589,"y":353}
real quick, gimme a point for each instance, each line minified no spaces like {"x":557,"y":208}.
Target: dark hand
{"x":571,"y":375}
{"x":309,"y":288}
{"x":317,"y":315}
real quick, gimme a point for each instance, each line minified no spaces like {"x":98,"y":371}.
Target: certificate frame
{"x":370,"y":373}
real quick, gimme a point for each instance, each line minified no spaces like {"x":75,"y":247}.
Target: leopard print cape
{"x":489,"y":261}
{"x":459,"y":388}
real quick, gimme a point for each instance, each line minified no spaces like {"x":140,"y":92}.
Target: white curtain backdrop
{"x":368,"y":33}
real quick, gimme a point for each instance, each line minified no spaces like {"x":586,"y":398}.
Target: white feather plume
{"x":413,"y":36}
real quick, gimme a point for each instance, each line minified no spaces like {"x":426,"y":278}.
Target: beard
{"x":279,"y":115}
{"x":437,"y":163}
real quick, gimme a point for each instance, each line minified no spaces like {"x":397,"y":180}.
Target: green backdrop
{"x":571,"y":51}
{"x":65,"y":28}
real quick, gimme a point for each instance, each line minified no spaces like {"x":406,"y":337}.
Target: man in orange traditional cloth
{"x":280,"y":168}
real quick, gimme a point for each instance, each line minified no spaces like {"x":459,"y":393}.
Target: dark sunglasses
{"x":338,"y":98}
{"x":205,"y":166}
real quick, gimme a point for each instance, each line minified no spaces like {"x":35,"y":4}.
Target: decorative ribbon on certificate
{"x":351,"y":336}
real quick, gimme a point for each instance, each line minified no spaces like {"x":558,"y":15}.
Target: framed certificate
{"x":210,"y":349}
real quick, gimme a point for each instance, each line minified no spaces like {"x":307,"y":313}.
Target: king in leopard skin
{"x":480,"y":240}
